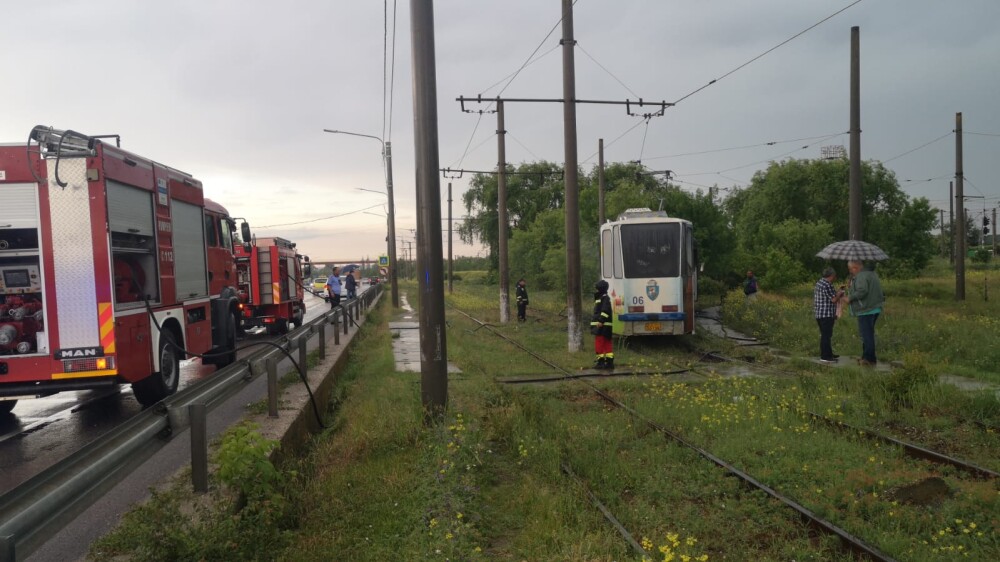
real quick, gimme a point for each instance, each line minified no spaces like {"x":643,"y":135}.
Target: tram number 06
{"x":637,"y":300}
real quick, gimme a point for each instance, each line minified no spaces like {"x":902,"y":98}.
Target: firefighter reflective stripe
{"x":107,"y":322}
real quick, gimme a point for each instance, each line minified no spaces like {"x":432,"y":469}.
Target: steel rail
{"x":910,"y":449}
{"x":35,"y":510}
{"x":851,"y":542}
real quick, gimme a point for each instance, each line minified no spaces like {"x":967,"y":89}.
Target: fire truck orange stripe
{"x":107,"y":321}
{"x":276,"y":292}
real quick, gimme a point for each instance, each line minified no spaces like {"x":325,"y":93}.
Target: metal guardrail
{"x":37,"y":509}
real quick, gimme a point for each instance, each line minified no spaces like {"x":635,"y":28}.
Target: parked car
{"x":319,"y":284}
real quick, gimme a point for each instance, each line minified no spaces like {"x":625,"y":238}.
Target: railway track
{"x":852,"y":543}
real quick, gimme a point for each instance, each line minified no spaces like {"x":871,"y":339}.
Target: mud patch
{"x":928,"y":492}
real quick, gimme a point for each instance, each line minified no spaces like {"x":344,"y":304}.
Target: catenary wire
{"x":513,"y":76}
{"x":392,"y":70}
{"x":771,"y":159}
{"x":758,"y":57}
{"x":385,"y":60}
{"x":948,"y":134}
{"x":515,"y":139}
{"x":743,"y":147}
{"x":589,"y":56}
{"x":322,"y":218}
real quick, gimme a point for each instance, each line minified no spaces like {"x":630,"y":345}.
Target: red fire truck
{"x":113,"y":268}
{"x":269,"y":283}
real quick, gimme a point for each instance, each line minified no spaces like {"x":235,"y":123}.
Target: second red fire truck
{"x":269,"y":283}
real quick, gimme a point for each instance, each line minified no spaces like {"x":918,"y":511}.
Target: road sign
{"x":383,"y":271}
{"x":383,"y":261}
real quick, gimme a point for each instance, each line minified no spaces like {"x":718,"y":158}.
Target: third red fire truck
{"x":113,"y":268}
{"x":269,"y":282}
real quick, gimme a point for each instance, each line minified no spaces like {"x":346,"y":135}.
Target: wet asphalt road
{"x":43,"y":431}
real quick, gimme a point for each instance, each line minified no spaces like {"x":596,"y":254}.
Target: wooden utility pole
{"x":573,"y":286}
{"x":601,"y":186}
{"x":855,"y":155}
{"x":960,"y":216}
{"x":502,"y":216}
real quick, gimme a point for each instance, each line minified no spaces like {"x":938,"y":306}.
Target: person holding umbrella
{"x":865,"y":300}
{"x":825,"y":299}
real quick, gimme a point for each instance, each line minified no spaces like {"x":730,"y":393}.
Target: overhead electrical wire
{"x":385,"y":61}
{"x":515,"y":139}
{"x":322,"y":218}
{"x":392,"y":71}
{"x":584,"y":51}
{"x":772,"y":159}
{"x":981,"y":134}
{"x":946,"y":135}
{"x":758,"y":57}
{"x":742,"y":147}
{"x":524,"y":65}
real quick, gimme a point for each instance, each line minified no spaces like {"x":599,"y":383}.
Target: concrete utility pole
{"x":573,"y":285}
{"x":960,"y":217}
{"x":855,"y":156}
{"x":502,"y":223}
{"x":433,"y":348}
{"x":393,"y":283}
{"x":941,"y":222}
{"x":951,"y":223}
{"x":994,"y":231}
{"x":451,"y":271}
{"x":601,"y":186}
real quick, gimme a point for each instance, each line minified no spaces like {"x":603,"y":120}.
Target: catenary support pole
{"x":959,"y":213}
{"x":573,"y":285}
{"x":601,"y":186}
{"x":393,"y":283}
{"x":502,"y":224}
{"x":993,"y":230}
{"x":451,"y":269}
{"x":855,"y":134}
{"x":951,"y":221}
{"x":433,"y":348}
{"x":944,"y":241}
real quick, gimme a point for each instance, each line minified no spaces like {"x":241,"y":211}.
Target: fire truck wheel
{"x":6,"y":406}
{"x":158,"y":386}
{"x":230,"y":356}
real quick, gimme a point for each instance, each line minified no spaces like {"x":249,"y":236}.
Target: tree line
{"x":774,"y":226}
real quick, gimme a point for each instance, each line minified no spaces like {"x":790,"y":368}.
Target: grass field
{"x":490,"y":483}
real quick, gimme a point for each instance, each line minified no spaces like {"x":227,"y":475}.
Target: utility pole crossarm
{"x":629,"y":104}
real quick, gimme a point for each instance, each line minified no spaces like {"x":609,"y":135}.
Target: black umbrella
{"x":853,"y":250}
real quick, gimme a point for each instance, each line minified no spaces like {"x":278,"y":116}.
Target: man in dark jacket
{"x":522,"y":299}
{"x":600,"y":326}
{"x":351,"y":284}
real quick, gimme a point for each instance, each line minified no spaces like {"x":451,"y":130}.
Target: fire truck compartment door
{"x":189,"y":250}
{"x":19,"y":202}
{"x":130,"y":209}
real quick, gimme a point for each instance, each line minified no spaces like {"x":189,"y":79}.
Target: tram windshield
{"x":651,"y":250}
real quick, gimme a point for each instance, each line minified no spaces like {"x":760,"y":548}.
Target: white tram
{"x":649,"y":262}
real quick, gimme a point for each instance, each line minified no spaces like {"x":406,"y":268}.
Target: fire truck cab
{"x":112,"y":270}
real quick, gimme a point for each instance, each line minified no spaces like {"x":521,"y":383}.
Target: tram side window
{"x":607,"y":254}
{"x":651,"y":250}
{"x":617,"y":259}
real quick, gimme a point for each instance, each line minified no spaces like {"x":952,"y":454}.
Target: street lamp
{"x":387,"y":157}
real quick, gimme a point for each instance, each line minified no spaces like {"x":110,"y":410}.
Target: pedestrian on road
{"x":750,"y":286}
{"x":865,"y":299}
{"x":522,"y":299}
{"x":351,"y":284}
{"x":600,"y":327}
{"x":825,"y":299}
{"x":333,"y":287}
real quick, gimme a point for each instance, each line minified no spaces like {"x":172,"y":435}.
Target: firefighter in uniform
{"x":522,"y":300}
{"x":600,"y":326}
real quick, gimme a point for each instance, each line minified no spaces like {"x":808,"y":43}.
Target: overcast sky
{"x":237,"y":93}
